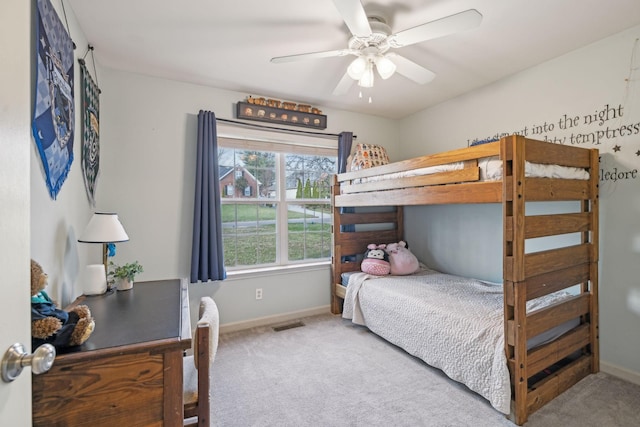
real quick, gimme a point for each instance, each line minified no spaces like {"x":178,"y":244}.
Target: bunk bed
{"x":536,"y":374}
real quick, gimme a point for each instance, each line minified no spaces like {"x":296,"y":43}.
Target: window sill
{"x":276,"y":270}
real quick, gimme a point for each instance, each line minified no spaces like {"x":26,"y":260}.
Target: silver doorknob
{"x":17,"y":358}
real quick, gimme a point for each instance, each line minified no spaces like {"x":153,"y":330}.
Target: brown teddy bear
{"x":49,"y":324}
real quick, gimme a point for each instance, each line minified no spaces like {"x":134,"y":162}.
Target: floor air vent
{"x":291,"y":325}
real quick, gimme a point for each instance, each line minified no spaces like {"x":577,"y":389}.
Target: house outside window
{"x":278,"y":210}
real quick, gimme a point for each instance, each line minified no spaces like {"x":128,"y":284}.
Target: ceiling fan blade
{"x":354,"y":16}
{"x":411,"y":70}
{"x":440,"y":27}
{"x":313,"y":55}
{"x":343,"y":85}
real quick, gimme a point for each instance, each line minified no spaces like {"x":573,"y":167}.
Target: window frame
{"x":281,"y":144}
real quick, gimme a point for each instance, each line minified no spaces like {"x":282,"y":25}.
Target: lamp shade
{"x":385,"y":67}
{"x":104,"y":228}
{"x":357,"y":68}
{"x":367,"y":77}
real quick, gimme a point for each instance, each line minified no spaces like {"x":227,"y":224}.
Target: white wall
{"x":577,"y":84}
{"x":148,"y":137}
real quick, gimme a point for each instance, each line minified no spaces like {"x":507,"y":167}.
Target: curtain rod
{"x":272,"y":128}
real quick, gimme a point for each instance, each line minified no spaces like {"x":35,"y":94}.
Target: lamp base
{"x":94,"y":280}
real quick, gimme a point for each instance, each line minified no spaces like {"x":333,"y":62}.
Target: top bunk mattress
{"x":490,"y":170}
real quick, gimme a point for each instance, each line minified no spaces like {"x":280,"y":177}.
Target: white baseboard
{"x":270,"y":320}
{"x":617,"y":371}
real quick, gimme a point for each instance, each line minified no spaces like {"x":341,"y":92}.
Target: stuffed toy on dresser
{"x":49,"y":323}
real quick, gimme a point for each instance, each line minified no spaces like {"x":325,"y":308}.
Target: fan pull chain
{"x":360,"y":96}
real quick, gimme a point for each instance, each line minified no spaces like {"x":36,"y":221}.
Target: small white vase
{"x":94,"y":280}
{"x":124,"y":284}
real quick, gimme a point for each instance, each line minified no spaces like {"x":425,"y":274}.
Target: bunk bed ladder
{"x":541,"y":374}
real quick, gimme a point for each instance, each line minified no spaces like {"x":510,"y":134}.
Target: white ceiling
{"x":228,"y":44}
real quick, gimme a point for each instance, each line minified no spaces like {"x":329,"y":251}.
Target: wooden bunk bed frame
{"x":525,"y":275}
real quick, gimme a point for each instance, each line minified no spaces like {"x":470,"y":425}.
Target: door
{"x":15,"y":146}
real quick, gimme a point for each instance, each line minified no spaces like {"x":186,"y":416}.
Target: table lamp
{"x":103,"y":228}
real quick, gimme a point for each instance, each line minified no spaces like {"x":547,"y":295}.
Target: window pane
{"x":249,"y":234}
{"x":309,"y":231}
{"x":261,"y":168}
{"x":248,"y":174}
{"x":308,"y":177}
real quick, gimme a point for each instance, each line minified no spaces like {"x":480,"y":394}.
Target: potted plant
{"x":123,"y":275}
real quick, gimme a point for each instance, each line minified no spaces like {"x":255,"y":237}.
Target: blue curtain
{"x":207,"y":261}
{"x":345,"y":140}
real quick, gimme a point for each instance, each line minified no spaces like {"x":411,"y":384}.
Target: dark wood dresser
{"x":129,"y":372}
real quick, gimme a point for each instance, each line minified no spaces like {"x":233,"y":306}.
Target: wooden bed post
{"x":336,"y":306}
{"x":592,"y":206}
{"x":513,"y":205}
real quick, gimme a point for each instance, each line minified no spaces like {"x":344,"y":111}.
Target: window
{"x":276,"y":202}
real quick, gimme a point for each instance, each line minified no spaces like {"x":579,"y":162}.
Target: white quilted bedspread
{"x":452,"y":323}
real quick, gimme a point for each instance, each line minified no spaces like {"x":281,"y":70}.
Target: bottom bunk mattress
{"x":452,"y":323}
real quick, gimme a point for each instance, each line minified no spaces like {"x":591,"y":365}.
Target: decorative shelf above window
{"x":283,"y":116}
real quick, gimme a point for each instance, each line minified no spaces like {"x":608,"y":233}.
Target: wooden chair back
{"x":198,"y":367}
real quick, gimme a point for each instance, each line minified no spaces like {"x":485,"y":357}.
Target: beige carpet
{"x":332,"y":373}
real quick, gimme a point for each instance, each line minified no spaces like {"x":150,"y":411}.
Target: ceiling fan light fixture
{"x":357,"y":68}
{"x":372,"y":38}
{"x":367,"y":78}
{"x":385,"y":67}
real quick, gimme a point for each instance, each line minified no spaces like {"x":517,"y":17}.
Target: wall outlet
{"x":259,"y":293}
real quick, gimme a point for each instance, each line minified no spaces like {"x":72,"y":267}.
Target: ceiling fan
{"x":372,"y":40}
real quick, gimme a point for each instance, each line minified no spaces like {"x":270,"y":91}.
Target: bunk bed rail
{"x":455,"y":177}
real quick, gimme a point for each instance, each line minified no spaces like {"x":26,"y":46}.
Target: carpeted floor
{"x":332,"y":373}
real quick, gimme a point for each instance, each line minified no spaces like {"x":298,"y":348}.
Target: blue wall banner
{"x":53,"y":115}
{"x":90,"y":133}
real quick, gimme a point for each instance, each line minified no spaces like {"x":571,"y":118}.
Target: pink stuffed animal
{"x":402,"y":261}
{"x":376,"y":260}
